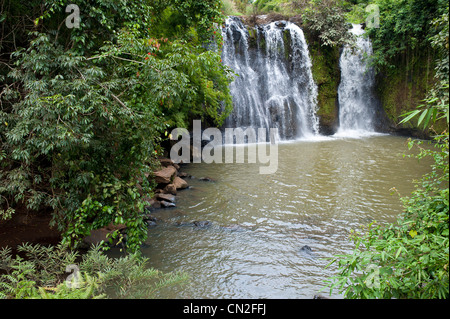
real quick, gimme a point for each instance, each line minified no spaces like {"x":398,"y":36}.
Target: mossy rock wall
{"x":402,"y":88}
{"x":326,"y":74}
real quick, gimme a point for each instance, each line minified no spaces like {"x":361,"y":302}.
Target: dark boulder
{"x":180,"y":183}
{"x":167,"y":204}
{"x":165,"y":175}
{"x":165,"y":197}
{"x":170,"y":189}
{"x":307,"y":251}
{"x":202,"y":224}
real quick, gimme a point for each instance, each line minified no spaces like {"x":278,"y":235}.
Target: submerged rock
{"x":181,"y":224}
{"x":166,"y":197}
{"x":167,"y":204}
{"x":307,"y":251}
{"x":233,"y":228}
{"x":198,"y":224}
{"x":202,"y":223}
{"x":320,"y":297}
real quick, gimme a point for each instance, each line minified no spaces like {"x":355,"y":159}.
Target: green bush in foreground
{"x":83,"y":110}
{"x":57,"y":273}
{"x":410,"y":259}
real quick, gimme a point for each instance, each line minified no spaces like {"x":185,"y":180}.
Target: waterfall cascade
{"x":274,"y":87}
{"x":355,"y":93}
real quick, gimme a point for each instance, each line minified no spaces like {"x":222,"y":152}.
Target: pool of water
{"x":256,"y":225}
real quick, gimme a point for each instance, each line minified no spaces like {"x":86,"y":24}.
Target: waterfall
{"x":355,"y":92}
{"x":274,"y":87}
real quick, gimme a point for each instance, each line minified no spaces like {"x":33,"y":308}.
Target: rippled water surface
{"x":259,"y":223}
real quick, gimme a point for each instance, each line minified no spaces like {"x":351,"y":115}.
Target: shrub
{"x":42,"y":274}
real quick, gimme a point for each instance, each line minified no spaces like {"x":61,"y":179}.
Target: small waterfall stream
{"x":274,"y":87}
{"x":355,"y":93}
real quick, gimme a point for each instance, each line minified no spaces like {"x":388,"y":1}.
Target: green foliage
{"x":268,"y":5}
{"x":435,"y":106}
{"x":326,"y":74}
{"x":83,"y":110}
{"x":43,"y":274}
{"x":129,"y":276}
{"x":40,"y":273}
{"x":409,"y":259}
{"x":326,"y":19}
{"x":404,"y":29}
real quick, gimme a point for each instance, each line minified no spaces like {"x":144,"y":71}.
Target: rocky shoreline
{"x":170,"y":180}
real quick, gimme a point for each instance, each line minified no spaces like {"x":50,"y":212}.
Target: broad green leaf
{"x":409,"y":116}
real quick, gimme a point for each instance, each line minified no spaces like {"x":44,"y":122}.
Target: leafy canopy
{"x":83,"y":110}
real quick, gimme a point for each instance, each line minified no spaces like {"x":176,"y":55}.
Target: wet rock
{"x":167,"y":204}
{"x":179,"y":183}
{"x":307,"y":251}
{"x":165,"y":175}
{"x":103,"y":234}
{"x":320,"y":297}
{"x":202,"y":223}
{"x":153,"y":204}
{"x":151,"y":223}
{"x":165,"y":197}
{"x":233,"y":228}
{"x":170,"y":189}
{"x":183,"y":174}
{"x":206,"y":179}
{"x":280,"y":24}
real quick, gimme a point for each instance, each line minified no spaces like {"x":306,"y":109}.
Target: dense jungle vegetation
{"x":84,"y":112}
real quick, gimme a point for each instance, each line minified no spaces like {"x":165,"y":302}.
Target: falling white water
{"x":274,"y":87}
{"x":355,"y":92}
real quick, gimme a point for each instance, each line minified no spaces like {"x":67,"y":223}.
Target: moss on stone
{"x":326,"y":74}
{"x":252,"y":37}
{"x":402,"y":89}
{"x":287,"y":44}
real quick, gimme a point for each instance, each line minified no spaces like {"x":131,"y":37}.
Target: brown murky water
{"x":258,"y":223}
